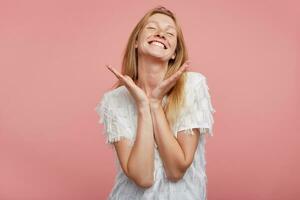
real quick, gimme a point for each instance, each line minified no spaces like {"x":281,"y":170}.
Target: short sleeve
{"x":113,"y":116}
{"x":198,"y":110}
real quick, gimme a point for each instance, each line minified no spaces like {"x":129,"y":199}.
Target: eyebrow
{"x":157,"y":23}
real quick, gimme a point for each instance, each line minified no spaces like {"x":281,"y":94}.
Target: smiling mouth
{"x":157,"y":43}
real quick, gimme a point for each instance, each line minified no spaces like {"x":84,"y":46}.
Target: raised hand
{"x":138,"y":94}
{"x":160,"y":91}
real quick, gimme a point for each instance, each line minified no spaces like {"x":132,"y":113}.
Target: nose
{"x":160,"y":33}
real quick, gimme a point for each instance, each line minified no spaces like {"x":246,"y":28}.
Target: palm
{"x":157,"y":94}
{"x":138,"y":94}
{"x":160,"y":91}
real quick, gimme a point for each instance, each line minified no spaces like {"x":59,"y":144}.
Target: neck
{"x":151,"y":72}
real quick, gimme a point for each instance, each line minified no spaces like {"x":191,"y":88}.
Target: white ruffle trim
{"x":198,"y":112}
{"x":114,"y":121}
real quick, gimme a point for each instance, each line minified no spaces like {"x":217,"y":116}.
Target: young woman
{"x":157,"y":116}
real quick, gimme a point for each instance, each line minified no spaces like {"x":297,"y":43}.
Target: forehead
{"x":162,"y":20}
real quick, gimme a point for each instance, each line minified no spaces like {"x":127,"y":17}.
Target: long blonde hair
{"x":175,"y":97}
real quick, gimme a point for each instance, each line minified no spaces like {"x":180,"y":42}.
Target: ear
{"x":174,"y":55}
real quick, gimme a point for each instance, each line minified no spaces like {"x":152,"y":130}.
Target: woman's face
{"x":158,"y":38}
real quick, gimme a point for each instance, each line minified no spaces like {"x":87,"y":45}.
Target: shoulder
{"x":116,"y":92}
{"x":116,"y":95}
{"x":194,"y":79}
{"x":114,"y":102}
{"x":196,"y":88}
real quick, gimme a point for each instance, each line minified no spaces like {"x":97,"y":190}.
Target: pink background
{"x":52,"y":76}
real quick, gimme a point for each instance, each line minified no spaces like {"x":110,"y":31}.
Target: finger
{"x":170,"y":86}
{"x":124,"y":79}
{"x":187,"y":62}
{"x":182,"y":69}
{"x":177,"y":74}
{"x":112,"y":70}
{"x":170,"y":81}
{"x":185,"y":66}
{"x":115,"y":72}
{"x":129,"y":81}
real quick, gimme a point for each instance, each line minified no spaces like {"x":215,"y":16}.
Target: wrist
{"x":155,"y":105}
{"x":143,"y":107}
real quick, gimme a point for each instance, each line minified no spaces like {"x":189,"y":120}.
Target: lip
{"x":160,"y":41}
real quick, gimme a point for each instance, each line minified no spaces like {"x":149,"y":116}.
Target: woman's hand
{"x":160,"y":91}
{"x":138,"y":94}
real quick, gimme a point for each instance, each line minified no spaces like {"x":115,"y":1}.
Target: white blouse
{"x":117,"y":111}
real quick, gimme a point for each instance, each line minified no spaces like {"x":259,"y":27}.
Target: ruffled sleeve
{"x":114,"y":118}
{"x":198,"y":110}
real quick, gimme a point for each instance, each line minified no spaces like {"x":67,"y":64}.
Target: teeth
{"x":158,"y":44}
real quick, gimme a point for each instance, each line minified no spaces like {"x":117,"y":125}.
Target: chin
{"x":159,"y":56}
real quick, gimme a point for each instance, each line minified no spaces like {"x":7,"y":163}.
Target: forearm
{"x":169,"y":149}
{"x":141,"y":160}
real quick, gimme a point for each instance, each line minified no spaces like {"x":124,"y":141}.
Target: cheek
{"x":174,"y":44}
{"x":142,"y":37}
